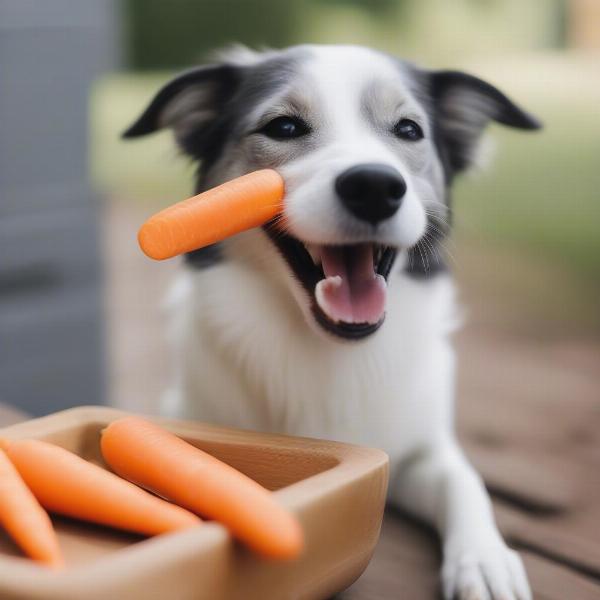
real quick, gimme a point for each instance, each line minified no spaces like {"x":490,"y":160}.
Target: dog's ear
{"x":463,"y":106}
{"x":189,"y":105}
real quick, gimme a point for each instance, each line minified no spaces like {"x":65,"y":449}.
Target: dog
{"x":334,"y":320}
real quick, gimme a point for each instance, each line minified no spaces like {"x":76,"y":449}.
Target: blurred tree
{"x":375,"y":7}
{"x":167,"y":35}
{"x":171,"y":34}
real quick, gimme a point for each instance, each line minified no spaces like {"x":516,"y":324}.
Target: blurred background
{"x":80,"y":316}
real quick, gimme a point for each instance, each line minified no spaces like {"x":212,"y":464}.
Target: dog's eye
{"x":285,"y":128}
{"x":406,"y":129}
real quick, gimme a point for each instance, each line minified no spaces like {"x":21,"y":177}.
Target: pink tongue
{"x":351,"y":292}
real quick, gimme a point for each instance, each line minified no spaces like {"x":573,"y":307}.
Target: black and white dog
{"x":334,"y":322}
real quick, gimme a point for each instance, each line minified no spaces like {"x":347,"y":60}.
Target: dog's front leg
{"x":439,"y":485}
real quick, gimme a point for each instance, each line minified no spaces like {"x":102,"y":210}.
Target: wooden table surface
{"x":528,"y":414}
{"x":538,"y":448}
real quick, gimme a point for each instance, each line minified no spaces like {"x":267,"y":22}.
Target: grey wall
{"x":51,"y":351}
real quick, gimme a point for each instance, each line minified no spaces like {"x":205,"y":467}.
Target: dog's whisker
{"x":433,"y":253}
{"x":429,"y":246}
{"x":448,"y":252}
{"x":439,"y":243}
{"x":423,"y":257}
{"x":441,"y":236}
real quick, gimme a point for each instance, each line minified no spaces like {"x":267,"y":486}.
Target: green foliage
{"x":180,"y":32}
{"x":542,"y":193}
{"x":372,"y":7}
{"x":177,"y":33}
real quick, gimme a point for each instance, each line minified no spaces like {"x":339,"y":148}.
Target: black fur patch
{"x":204,"y":257}
{"x":232,"y":91}
{"x":221,"y":78}
{"x":456,"y":132}
{"x":458,"y":129}
{"x":254,"y":84}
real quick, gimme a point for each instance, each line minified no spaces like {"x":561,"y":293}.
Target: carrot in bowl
{"x":167,"y":465}
{"x":239,"y":204}
{"x":24,"y":519}
{"x":66,"y":484}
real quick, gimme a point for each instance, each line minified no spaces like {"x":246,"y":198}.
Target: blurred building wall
{"x":51,"y":353}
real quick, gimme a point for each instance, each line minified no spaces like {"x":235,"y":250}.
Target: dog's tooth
{"x":315,"y":253}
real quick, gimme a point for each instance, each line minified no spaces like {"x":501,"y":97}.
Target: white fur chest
{"x":245,"y":357}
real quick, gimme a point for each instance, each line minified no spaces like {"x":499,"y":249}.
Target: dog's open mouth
{"x":347,"y":284}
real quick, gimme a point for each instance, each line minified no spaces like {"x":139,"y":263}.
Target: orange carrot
{"x":239,"y":204}
{"x":24,"y":519}
{"x":66,"y":484}
{"x":159,"y":461}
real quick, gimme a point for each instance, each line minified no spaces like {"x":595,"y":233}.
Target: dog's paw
{"x":480,"y":570}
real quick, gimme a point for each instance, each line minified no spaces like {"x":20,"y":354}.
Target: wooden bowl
{"x":336,"y":490}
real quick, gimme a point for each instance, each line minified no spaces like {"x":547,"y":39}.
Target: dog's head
{"x":367,"y":144}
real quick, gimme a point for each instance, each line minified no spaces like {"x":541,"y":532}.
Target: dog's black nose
{"x":371,"y":192}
